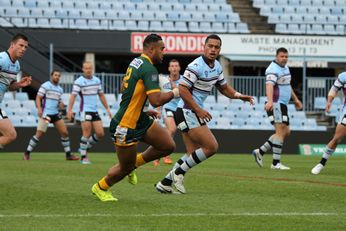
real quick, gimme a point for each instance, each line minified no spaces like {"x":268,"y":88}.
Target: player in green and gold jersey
{"x":131,"y":124}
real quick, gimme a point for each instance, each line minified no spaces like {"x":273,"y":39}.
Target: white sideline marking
{"x":166,"y":215}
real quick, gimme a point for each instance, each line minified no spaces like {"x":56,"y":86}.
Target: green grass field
{"x":227,"y":192}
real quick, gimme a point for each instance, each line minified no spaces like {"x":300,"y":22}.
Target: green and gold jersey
{"x":140,"y":80}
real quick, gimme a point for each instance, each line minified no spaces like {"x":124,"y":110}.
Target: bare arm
{"x":157,"y":99}
{"x":105,"y":104}
{"x":269,"y":92}
{"x":25,"y":81}
{"x":229,"y":91}
{"x":39,"y":105}
{"x":296,"y":101}
{"x":70,"y":106}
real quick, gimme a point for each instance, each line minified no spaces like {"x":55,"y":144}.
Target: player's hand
{"x":25,"y":81}
{"x":69,"y":115}
{"x":154,"y":114}
{"x":328,"y":105}
{"x":247,"y":98}
{"x":268,"y":106}
{"x":204,"y":115}
{"x":298,"y":105}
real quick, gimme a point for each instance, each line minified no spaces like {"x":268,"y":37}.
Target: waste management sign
{"x":317,"y":149}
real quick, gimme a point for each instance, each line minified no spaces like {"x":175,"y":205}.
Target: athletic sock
{"x":92,"y":141}
{"x":66,"y":144}
{"x":327,"y":152}
{"x":267,"y":146}
{"x":32,"y":144}
{"x":103,"y":185}
{"x":168,"y":179}
{"x":277,"y":150}
{"x":196,"y":158}
{"x":83,"y":146}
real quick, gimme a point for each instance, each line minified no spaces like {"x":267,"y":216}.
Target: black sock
{"x":275,"y":162}
{"x":323,"y":161}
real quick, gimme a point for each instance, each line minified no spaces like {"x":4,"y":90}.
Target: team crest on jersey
{"x":136,"y":63}
{"x":206,"y":73}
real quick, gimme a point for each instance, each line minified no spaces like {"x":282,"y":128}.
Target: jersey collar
{"x":9,"y":56}
{"x":147,"y":57}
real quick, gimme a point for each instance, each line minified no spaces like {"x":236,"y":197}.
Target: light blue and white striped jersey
{"x":88,"y":90}
{"x":8,"y":72}
{"x":51,"y":94}
{"x":201,"y":78}
{"x":340,"y":83}
{"x":280,"y":77}
{"x":172,"y":105}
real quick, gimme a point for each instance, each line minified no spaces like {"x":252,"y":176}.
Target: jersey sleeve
{"x":42,"y":91}
{"x":271,"y":76}
{"x":76,"y":88}
{"x":100,"y":89}
{"x":339,"y":82}
{"x":151,"y":81}
{"x":190,"y":76}
{"x":221,"y":80}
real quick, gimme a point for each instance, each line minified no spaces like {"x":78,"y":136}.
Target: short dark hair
{"x":53,"y":71}
{"x":281,"y":49}
{"x":151,"y":38}
{"x":19,"y":36}
{"x":173,"y":61}
{"x":213,"y":36}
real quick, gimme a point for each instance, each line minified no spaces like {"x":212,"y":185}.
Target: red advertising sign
{"x":174,"y":42}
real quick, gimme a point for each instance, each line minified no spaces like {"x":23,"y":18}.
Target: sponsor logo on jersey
{"x":136,"y":63}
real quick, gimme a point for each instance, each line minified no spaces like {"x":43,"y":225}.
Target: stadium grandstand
{"x":109,"y":33}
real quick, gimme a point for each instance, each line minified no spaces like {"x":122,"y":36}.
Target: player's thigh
{"x":158,"y":137}
{"x":190,"y":145}
{"x":98,"y":128}
{"x":61,"y":128}
{"x":203,"y":137}
{"x":6,"y":128}
{"x":86,"y":128}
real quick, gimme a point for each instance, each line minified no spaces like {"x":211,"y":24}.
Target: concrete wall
{"x":230,"y":141}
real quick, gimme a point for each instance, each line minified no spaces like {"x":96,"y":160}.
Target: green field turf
{"x":227,"y":192}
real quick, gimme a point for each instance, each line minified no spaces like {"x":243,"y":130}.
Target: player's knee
{"x":169,"y":147}
{"x":288,"y":133}
{"x":212,"y":148}
{"x":12,"y":136}
{"x":64,"y":134}
{"x":100,"y":135}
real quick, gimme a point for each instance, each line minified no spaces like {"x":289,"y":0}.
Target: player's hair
{"x":53,"y":71}
{"x":173,"y":61}
{"x":87,"y":62}
{"x":213,"y":36}
{"x":19,"y":36}
{"x":281,"y":49}
{"x":152,"y":38}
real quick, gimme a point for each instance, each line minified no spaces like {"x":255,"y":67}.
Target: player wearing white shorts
{"x":48,"y":102}
{"x":199,"y":78}
{"x":9,"y":69}
{"x":279,"y":92}
{"x":340,"y":130}
{"x":168,"y":83}
{"x":89,"y":88}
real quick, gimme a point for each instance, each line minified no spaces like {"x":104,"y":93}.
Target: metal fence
{"x":250,"y":85}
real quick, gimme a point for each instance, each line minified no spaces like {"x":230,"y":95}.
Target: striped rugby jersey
{"x":88,"y":90}
{"x":201,"y":78}
{"x":51,"y":94}
{"x":8,"y":72}
{"x":280,"y":77}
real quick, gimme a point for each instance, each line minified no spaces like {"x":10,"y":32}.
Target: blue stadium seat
{"x":52,"y":4}
{"x":340,"y":29}
{"x":281,"y":2}
{"x":293,"y":28}
{"x":155,"y":26}
{"x":11,"y":12}
{"x":231,"y":28}
{"x":5,"y":3}
{"x":196,"y":16}
{"x":166,"y":7}
{"x":202,"y":8}
{"x":87,"y":14}
{"x":154,"y":7}
{"x":205,"y":27}
{"x":273,"y":18}
{"x":149,"y":15}
{"x":194,"y":27}
{"x":324,"y":11}
{"x":49,"y":13}
{"x":117,"y":25}
{"x":93,"y":5}
{"x":309,"y":19}
{"x":131,"y":25}
{"x":181,"y":26}
{"x":80,"y":5}
{"x":129,"y":6}
{"x":222,"y":17}
{"x":293,"y":2}
{"x":99,"y":14}
{"x":136,"y":15}
{"x":329,"y":29}
{"x":190,"y":8}
{"x":226,"y":8}
{"x":173,"y":16}
{"x":168,"y":26}
{"x":276,"y":9}
{"x":94,"y":24}
{"x":43,"y":23}
{"x":21,"y":96}
{"x":124,"y":15}
{"x":18,"y":4}
{"x":30,"y":3}
{"x":234,"y":17}
{"x":242,"y":28}
{"x":297,"y":19}
{"x":67,"y":5}
{"x":215,"y":8}
{"x":185,"y":16}
{"x":178,"y":7}
{"x":337,"y":11}
{"x":36,"y":13}
{"x":305,"y":3}
{"x":162,"y":16}
{"x":61,"y":13}
{"x":285,"y":18}
{"x":142,"y":7}
{"x":75,"y":14}
{"x":218,"y":27}
{"x":333,"y":19}
{"x":209,"y":17}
